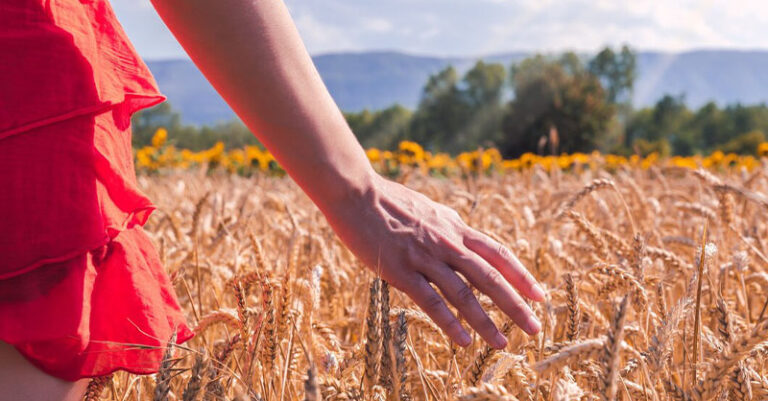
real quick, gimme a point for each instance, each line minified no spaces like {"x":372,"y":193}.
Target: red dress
{"x":82,"y":290}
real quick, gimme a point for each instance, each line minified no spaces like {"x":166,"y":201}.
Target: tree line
{"x":544,"y":104}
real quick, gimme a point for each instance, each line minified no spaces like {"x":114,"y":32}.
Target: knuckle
{"x":455,"y":214}
{"x":433,"y":301}
{"x":408,"y":284}
{"x":519,"y":311}
{"x":465,"y":295}
{"x":412,"y":255}
{"x":492,"y":278}
{"x":453,"y":326}
{"x":401,"y":285}
{"x":452,"y":212}
{"x":529,"y":278}
{"x":465,"y":259}
{"x":503,"y":251}
{"x":443,"y":241}
{"x":486,"y":325}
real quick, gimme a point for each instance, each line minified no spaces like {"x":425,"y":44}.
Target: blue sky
{"x":479,"y":27}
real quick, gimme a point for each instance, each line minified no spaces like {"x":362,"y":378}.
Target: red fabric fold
{"x":65,"y":58}
{"x":109,"y":309}
{"x":82,"y":290}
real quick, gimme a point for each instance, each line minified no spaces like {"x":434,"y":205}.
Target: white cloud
{"x":320,"y":36}
{"x":474,"y":27}
{"x":382,"y":25}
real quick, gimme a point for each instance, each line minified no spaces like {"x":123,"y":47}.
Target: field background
{"x":619,"y":150}
{"x":635,"y":309}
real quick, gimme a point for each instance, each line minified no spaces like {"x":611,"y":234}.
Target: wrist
{"x":344,"y":189}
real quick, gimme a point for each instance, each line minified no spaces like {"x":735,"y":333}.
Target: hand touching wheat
{"x":415,"y":241}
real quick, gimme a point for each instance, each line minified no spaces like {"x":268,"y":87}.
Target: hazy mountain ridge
{"x":376,"y":80}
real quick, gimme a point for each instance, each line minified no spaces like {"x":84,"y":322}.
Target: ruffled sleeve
{"x":64,"y":58}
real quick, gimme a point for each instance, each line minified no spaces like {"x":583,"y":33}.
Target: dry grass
{"x":636,"y":310}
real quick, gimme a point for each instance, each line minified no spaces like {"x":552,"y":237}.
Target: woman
{"x":80,"y":279}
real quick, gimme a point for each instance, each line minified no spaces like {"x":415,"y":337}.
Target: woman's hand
{"x":252,"y":54}
{"x":413,"y":241}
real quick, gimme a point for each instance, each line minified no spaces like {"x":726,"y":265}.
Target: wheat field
{"x":657,"y":286}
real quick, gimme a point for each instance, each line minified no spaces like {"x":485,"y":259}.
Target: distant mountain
{"x":376,"y":80}
{"x":722,"y":76}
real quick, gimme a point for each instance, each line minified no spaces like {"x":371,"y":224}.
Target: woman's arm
{"x":251,"y":52}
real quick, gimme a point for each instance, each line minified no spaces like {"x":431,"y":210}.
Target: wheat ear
{"x":163,"y":376}
{"x":96,"y":387}
{"x":574,"y":312}
{"x":610,"y":355}
{"x":372,"y":338}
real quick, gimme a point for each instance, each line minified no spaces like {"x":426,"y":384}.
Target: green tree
{"x":147,"y":121}
{"x":441,"y":113}
{"x":456,"y":115}
{"x":483,"y":91}
{"x":668,"y":120}
{"x":555,"y":93}
{"x":745,"y":143}
{"x":484,"y":85}
{"x":381,"y":129}
{"x":617,"y":73}
{"x":669,"y":117}
{"x":735,"y":128}
{"x":233,"y":134}
{"x":741,"y":119}
{"x":708,"y":128}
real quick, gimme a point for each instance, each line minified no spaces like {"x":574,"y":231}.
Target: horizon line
{"x":501,"y":53}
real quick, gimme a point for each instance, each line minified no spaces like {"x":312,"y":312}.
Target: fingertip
{"x":499,"y":341}
{"x":532,"y":326}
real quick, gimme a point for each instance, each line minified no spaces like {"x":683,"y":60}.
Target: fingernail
{"x":499,"y":341}
{"x":538,"y":293}
{"x":532,"y":326}
{"x":464,"y":339}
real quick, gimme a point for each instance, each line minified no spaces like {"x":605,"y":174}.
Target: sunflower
{"x":161,"y":135}
{"x":374,"y":155}
{"x":410,"y":153}
{"x":762,"y":149}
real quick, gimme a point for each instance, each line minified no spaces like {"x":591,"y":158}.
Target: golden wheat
{"x":282,"y":311}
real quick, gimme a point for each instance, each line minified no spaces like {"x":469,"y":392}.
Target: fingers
{"x":433,"y":305}
{"x":460,"y":295}
{"x":505,"y":261}
{"x":488,"y":280}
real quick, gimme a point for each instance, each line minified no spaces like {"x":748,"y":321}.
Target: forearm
{"x":252,"y":54}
